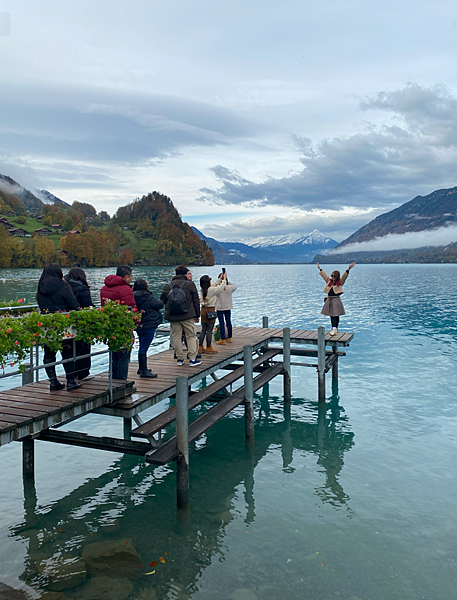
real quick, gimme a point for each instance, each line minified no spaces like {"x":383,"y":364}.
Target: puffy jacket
{"x":147,"y":302}
{"x":81,"y":292}
{"x":116,"y":288}
{"x":54,"y":295}
{"x":337,"y":289}
{"x":192,"y":299}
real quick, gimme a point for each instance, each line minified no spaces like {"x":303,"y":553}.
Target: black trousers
{"x":335,"y":321}
{"x":66,"y":352}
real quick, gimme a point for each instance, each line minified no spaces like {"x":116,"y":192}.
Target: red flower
{"x":21,"y":300}
{"x":114,"y":337}
{"x":135,"y":310}
{"x":9,"y":330}
{"x":101,"y":309}
{"x":35,"y":334}
{"x":17,"y":343}
{"x":39,"y":324}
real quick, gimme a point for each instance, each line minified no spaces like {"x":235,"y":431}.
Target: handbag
{"x":211,"y":315}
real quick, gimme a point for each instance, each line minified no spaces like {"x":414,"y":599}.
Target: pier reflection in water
{"x":134,"y":502}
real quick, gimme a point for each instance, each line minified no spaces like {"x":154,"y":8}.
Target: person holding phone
{"x":208,"y":297}
{"x":224,"y":310}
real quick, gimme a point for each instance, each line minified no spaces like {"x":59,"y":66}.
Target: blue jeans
{"x":225,"y":315}
{"x":145,"y":336}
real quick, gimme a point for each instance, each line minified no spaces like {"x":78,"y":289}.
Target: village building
{"x":43,"y":231}
{"x":73,"y":231}
{"x":18,"y":232}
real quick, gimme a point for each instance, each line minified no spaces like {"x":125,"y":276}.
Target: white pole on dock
{"x":321,"y":363}
{"x":248,"y":392}
{"x":182,"y":441}
{"x":286,"y":363}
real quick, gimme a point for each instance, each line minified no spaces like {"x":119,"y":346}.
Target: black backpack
{"x":177,"y":299}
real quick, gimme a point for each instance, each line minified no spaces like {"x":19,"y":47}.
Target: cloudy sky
{"x":255,"y":117}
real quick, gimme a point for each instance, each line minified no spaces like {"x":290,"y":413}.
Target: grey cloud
{"x":377,"y":168}
{"x":114,"y":126}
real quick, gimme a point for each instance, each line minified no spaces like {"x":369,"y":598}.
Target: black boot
{"x":54,"y":383}
{"x":144,"y":372}
{"x":72,"y":384}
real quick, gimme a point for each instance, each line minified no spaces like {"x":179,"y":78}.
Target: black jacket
{"x":193,"y":300}
{"x":147,"y":302}
{"x":54,"y":295}
{"x":81,"y":292}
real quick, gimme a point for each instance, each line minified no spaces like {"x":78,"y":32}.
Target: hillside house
{"x":43,"y":231}
{"x":73,"y":231}
{"x":6,"y":223}
{"x":18,"y":232}
{"x":56,"y":227}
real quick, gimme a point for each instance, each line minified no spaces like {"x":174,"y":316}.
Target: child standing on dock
{"x":333,"y":307}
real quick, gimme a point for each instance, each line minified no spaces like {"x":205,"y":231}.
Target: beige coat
{"x":214,"y":290}
{"x":338,"y":289}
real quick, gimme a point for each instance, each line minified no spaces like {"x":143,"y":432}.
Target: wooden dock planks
{"x":30,"y":409}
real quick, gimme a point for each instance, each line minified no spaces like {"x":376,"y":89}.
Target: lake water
{"x":354,"y":502}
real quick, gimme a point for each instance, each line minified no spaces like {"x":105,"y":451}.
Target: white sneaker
{"x":334,"y":331}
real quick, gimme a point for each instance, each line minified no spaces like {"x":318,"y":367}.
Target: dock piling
{"x":286,"y":363}
{"x":248,"y":392}
{"x":182,"y":441}
{"x":127,"y":428}
{"x":28,"y":458}
{"x":321,"y":363}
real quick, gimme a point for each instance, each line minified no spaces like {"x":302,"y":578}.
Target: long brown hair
{"x":335,"y":278}
{"x":205,"y":282}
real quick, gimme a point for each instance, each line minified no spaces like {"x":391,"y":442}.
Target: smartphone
{"x":223,"y":269}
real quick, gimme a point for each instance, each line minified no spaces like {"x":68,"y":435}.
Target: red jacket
{"x":116,"y":288}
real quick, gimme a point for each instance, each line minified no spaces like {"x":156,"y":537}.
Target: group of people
{"x":184,"y":307}
{"x":180,"y":297}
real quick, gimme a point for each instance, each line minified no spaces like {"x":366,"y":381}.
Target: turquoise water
{"x":354,"y":502}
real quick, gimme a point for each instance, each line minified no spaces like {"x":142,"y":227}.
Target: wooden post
{"x":182,"y":441}
{"x":321,"y":363}
{"x":248,"y":392}
{"x":27,"y":375}
{"x":127,"y":428}
{"x":28,"y":458}
{"x":265,"y":322}
{"x":286,"y":363}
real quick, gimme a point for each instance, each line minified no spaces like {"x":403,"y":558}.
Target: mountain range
{"x":433,"y":215}
{"x":292,"y":248}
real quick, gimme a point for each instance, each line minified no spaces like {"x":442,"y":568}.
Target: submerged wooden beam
{"x":74,"y":438}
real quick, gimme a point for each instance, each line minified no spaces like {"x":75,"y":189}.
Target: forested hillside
{"x":149,"y":231}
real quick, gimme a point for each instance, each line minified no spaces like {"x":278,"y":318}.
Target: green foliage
{"x":112,"y":324}
{"x":21,"y":220}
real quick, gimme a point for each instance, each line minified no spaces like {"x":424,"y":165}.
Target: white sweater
{"x":224,"y":300}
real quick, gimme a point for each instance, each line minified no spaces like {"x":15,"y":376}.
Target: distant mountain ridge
{"x":291,"y":248}
{"x":437,"y":209}
{"x":434,"y":211}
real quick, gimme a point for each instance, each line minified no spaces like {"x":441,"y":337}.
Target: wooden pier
{"x":33,"y":412}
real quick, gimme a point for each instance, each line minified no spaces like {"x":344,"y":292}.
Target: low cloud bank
{"x":405,"y":241}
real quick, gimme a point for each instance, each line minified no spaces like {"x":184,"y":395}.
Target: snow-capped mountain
{"x":315,"y":238}
{"x":292,"y":248}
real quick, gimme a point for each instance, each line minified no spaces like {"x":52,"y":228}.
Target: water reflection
{"x":133,"y":501}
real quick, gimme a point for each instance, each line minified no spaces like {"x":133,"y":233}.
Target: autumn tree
{"x":44,"y":250}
